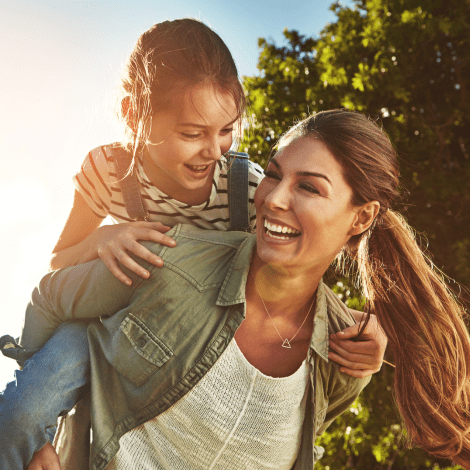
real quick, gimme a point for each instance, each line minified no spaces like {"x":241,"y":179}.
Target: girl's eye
{"x":227,"y":131}
{"x":190,"y":136}
{"x":309,"y":188}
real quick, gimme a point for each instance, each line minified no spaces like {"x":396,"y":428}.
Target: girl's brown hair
{"x":167,"y":60}
{"x":420,"y":315}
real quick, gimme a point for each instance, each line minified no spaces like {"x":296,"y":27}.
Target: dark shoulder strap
{"x":130,"y":187}
{"x":237,"y":189}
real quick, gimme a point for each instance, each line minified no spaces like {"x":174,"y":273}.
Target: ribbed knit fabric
{"x":234,"y":418}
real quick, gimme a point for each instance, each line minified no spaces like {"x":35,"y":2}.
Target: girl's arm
{"x":82,"y":239}
{"x":359,"y":358}
{"x":86,"y":291}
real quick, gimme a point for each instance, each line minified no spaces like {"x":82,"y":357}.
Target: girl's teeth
{"x":197,"y":167}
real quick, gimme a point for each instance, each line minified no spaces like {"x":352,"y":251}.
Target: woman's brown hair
{"x":420,"y":315}
{"x":167,"y":60}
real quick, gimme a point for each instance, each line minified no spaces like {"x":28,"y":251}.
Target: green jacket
{"x":171,"y":328}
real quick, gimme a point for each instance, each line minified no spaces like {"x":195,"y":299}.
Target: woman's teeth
{"x":287,"y":233}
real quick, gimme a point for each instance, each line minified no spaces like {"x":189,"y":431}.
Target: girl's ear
{"x":127,"y":111}
{"x":365,"y":215}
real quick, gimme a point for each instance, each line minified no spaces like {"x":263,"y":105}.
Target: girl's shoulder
{"x":96,"y":179}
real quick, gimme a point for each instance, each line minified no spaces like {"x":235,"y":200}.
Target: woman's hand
{"x":115,"y":242}
{"x":45,"y":459}
{"x":363,"y":357}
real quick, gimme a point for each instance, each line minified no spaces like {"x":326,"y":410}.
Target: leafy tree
{"x":408,"y":63}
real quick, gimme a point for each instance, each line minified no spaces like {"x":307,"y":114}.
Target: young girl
{"x":182,"y":102}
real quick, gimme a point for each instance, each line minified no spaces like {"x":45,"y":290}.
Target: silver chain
{"x":285,"y":342}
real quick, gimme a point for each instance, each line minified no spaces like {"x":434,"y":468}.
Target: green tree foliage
{"x":407,"y":62}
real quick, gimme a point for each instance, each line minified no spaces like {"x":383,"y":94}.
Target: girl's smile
{"x":186,"y":141}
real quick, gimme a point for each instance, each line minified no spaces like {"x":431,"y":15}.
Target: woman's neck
{"x":287,"y":292}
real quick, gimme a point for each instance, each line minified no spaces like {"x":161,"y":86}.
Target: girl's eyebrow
{"x":202,"y":126}
{"x":301,"y":173}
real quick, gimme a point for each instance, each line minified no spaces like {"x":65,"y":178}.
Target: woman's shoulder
{"x":339,"y":316}
{"x":199,"y":241}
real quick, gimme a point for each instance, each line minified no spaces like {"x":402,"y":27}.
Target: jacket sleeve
{"x":84,"y":291}
{"x":341,"y":400}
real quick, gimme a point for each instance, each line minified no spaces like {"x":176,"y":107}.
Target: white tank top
{"x":235,"y":417}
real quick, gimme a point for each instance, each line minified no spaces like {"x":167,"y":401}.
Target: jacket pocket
{"x":146,"y":353}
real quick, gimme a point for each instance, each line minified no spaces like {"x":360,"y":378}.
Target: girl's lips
{"x":198,"y":171}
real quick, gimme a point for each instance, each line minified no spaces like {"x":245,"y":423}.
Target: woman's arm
{"x":82,"y":239}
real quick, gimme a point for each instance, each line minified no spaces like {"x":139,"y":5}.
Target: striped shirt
{"x":97,"y":183}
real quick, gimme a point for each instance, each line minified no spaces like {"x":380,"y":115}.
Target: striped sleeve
{"x":93,"y":181}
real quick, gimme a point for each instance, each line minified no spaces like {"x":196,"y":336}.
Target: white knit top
{"x":234,"y":418}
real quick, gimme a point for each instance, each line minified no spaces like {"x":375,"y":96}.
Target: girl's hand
{"x":115,"y":242}
{"x":363,"y":357}
{"x":45,"y":459}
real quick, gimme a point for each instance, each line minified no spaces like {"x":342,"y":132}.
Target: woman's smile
{"x":303,"y":207}
{"x":279,"y":231}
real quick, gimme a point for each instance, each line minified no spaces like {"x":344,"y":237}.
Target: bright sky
{"x":60,"y":67}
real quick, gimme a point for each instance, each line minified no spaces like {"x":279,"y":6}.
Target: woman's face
{"x":304,"y":215}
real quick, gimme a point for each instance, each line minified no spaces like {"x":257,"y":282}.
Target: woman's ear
{"x":365,"y":215}
{"x":127,"y":111}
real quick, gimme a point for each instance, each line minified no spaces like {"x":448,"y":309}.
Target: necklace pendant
{"x":286,"y":344}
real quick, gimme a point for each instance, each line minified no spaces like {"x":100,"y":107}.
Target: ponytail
{"x":422,"y":319}
{"x":426,"y":329}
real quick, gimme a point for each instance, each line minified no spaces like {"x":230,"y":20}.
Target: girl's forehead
{"x":206,"y":103}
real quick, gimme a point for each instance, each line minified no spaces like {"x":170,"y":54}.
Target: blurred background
{"x":405,"y":62}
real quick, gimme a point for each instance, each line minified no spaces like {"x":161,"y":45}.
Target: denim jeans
{"x":49,"y":385}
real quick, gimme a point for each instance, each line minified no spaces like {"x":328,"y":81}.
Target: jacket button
{"x":141,"y":342}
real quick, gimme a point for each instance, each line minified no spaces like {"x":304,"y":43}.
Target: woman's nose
{"x":279,"y":198}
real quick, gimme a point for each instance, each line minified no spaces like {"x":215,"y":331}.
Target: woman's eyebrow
{"x":302,"y":173}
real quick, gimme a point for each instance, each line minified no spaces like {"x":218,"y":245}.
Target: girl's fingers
{"x":355,"y":369}
{"x":142,"y":252}
{"x":155,"y":236}
{"x":124,"y":258}
{"x":348,"y":358}
{"x":110,"y":261}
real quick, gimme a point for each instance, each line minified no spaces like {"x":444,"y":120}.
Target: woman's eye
{"x":227,"y":131}
{"x":190,"y":136}
{"x":309,"y":188}
{"x":272,"y":174}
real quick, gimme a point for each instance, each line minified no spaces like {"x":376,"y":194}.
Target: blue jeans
{"x":49,"y":385}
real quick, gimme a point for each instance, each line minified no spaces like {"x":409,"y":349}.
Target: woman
{"x":200,"y":356}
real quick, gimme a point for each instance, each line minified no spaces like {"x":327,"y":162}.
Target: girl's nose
{"x":212,"y":149}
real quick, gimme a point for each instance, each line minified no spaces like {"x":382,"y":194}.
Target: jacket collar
{"x":233,"y":292}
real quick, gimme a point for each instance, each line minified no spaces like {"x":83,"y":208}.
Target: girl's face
{"x":304,"y":215}
{"x":186,"y":141}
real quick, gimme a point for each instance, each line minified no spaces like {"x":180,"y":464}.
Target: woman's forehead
{"x":307,"y":155}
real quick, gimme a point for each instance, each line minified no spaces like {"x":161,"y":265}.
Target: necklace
{"x":285,"y":342}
